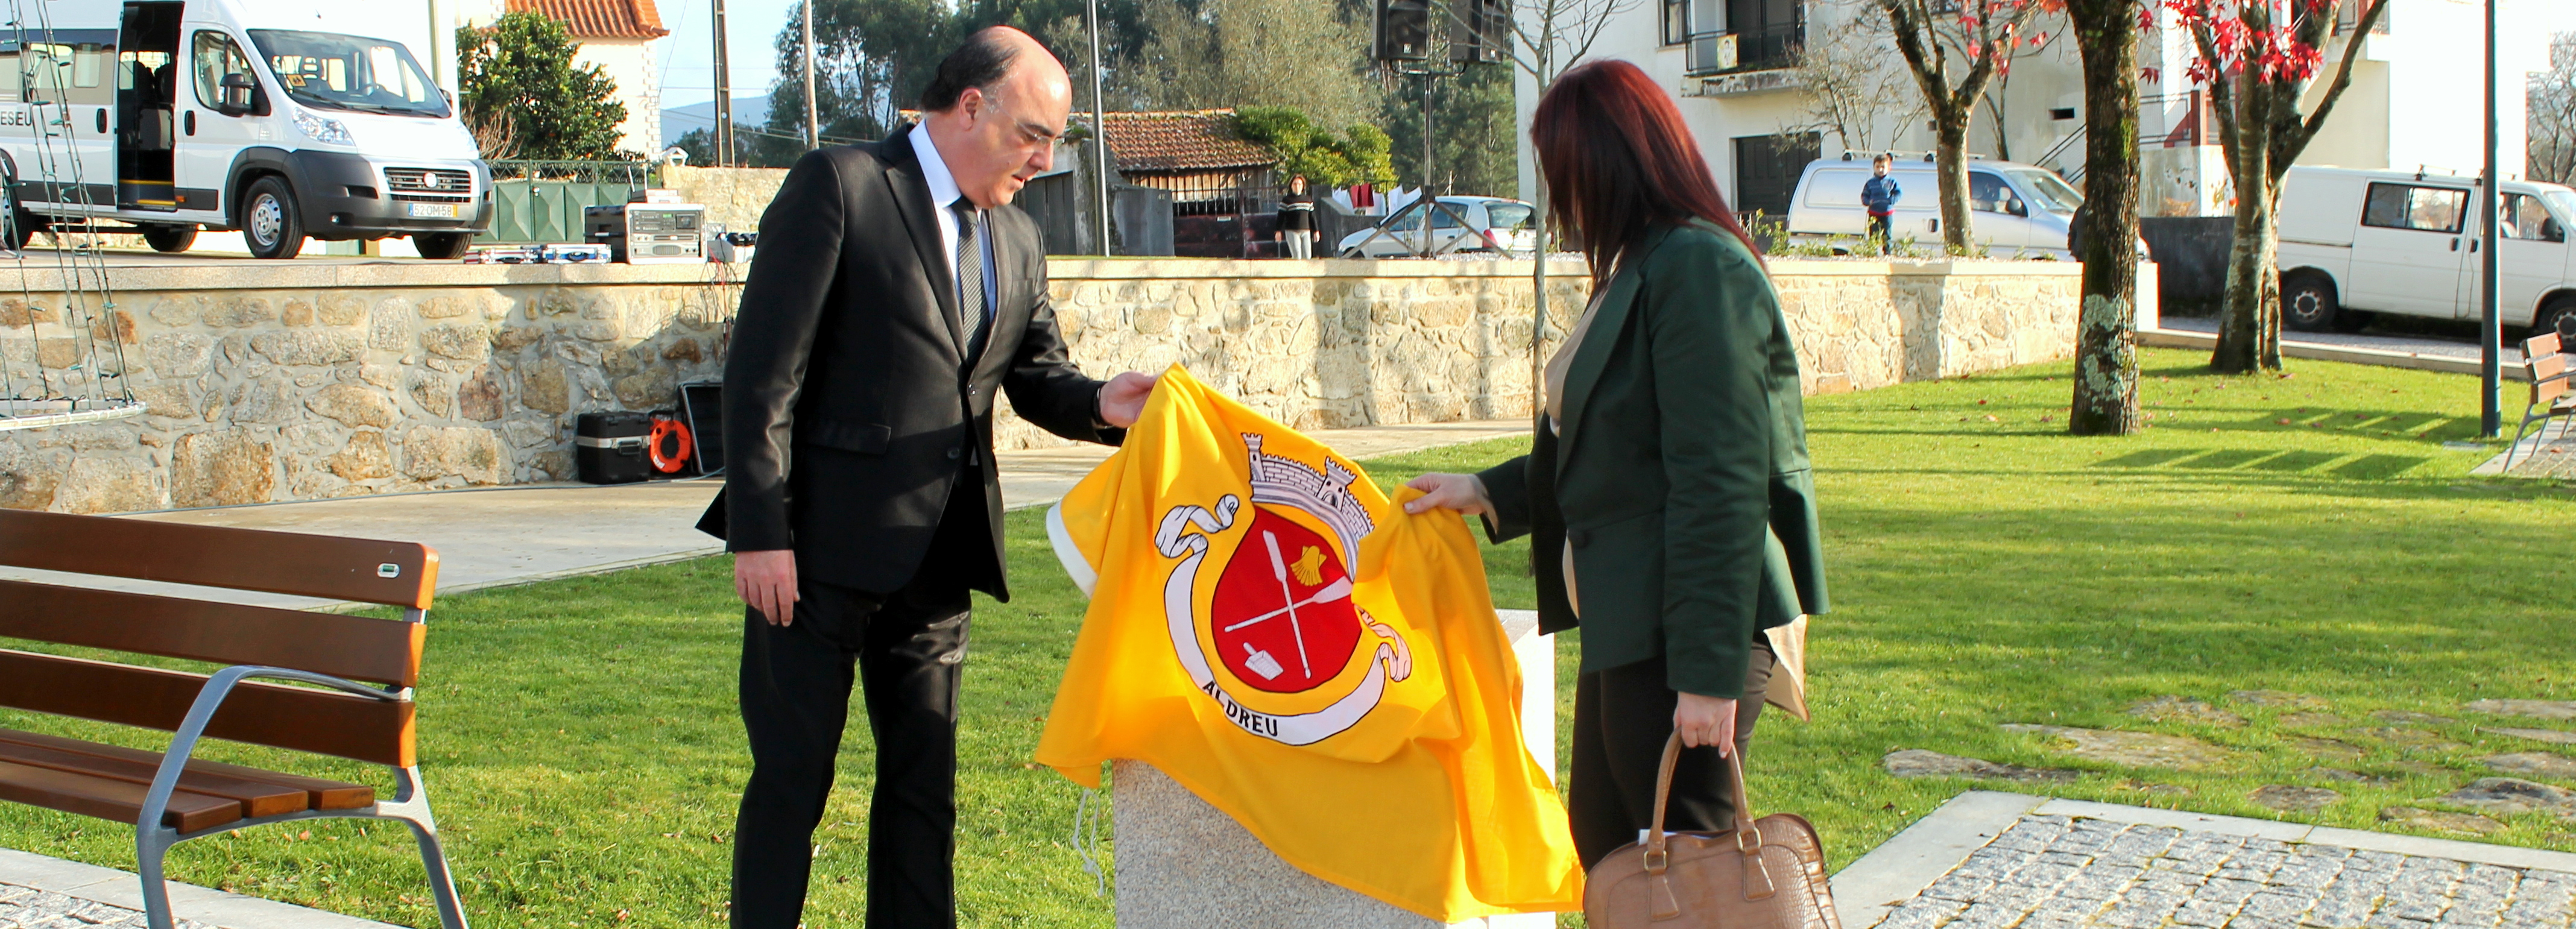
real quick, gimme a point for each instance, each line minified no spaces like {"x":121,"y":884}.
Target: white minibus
{"x":2357,"y":242}
{"x":278,"y":118}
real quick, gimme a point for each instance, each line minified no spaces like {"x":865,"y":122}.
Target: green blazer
{"x":1681,"y":476}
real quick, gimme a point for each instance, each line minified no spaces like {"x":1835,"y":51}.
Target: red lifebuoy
{"x":674,"y":433}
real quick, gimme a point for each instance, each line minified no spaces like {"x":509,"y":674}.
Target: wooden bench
{"x":2551,"y":394}
{"x":356,"y":673}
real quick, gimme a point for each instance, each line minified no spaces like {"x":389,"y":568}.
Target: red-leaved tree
{"x":2258,"y":58}
{"x":1955,"y":48}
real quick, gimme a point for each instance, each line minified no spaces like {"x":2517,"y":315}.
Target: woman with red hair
{"x":1667,"y":490}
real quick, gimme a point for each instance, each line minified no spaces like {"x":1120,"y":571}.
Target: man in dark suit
{"x":896,"y":289}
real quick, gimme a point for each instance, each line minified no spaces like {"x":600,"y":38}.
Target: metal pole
{"x":2491,"y":333}
{"x":813,"y":119}
{"x":1424,"y":194}
{"x":1099,"y":127}
{"x":724,"y":94}
{"x":442,"y":47}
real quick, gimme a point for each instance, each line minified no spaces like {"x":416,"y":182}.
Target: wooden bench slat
{"x":293,"y":563}
{"x":322,"y":722}
{"x":320,"y":794}
{"x":257,"y":798}
{"x":109,"y":799}
{"x":2543,"y":368}
{"x":375,"y":650}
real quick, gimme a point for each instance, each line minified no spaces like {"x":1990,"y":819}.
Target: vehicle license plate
{"x":433,"y":210}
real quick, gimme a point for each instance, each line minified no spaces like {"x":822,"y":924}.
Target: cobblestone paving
{"x":2056,"y":872}
{"x":29,"y":908}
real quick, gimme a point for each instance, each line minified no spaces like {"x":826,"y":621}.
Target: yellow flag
{"x":1271,"y":631}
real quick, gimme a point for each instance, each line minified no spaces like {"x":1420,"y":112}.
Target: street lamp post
{"x":813,"y":120}
{"x":724,"y":94}
{"x":1099,"y":128}
{"x":2491,"y":332}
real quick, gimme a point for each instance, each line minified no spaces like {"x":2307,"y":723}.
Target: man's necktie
{"x":971,"y":300}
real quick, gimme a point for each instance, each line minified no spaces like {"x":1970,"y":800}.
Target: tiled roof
{"x":1181,"y":140}
{"x":599,"y":19}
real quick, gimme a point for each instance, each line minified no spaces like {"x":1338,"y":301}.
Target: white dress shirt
{"x":943,"y":191}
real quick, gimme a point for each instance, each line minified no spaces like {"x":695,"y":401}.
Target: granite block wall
{"x":306,"y":381}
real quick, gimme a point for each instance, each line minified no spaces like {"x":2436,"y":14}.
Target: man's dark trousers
{"x":1882,"y":230}
{"x":905,"y":649}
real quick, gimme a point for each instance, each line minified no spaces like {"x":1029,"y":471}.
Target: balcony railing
{"x":2348,"y":17}
{"x":1762,"y":49}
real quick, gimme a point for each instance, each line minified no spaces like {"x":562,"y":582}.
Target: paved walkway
{"x":1990,"y":860}
{"x":37,"y":892}
{"x":2550,"y":450}
{"x":514,"y":535}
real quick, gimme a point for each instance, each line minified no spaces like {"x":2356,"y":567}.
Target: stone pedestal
{"x":1182,"y":864}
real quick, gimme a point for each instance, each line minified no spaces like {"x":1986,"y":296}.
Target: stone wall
{"x":1330,"y":344}
{"x":734,"y":197}
{"x":268,"y":382}
{"x":271,"y":382}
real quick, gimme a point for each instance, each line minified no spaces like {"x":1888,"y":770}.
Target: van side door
{"x":213,"y":129}
{"x":2409,"y":251}
{"x":2531,"y":248}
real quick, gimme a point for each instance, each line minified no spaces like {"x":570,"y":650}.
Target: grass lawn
{"x":2308,"y":534}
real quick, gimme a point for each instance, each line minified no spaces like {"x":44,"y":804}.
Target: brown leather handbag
{"x":1767,"y":874}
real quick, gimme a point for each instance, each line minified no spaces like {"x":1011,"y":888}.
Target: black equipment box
{"x":702,"y":408}
{"x":648,"y":233}
{"x":608,"y":448}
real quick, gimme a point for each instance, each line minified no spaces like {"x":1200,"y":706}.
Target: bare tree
{"x":1854,"y":88}
{"x":1549,"y":36}
{"x":1998,"y":96}
{"x":2553,"y":114}
{"x":2259,"y":66}
{"x":1955,"y":48}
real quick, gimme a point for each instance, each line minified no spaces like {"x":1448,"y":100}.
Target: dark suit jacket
{"x":850,"y":407}
{"x":1681,"y":475}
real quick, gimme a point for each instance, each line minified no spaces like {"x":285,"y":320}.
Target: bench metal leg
{"x":411,"y":806}
{"x":149,"y":846}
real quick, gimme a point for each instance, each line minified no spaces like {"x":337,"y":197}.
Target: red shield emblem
{"x":1282,"y":617}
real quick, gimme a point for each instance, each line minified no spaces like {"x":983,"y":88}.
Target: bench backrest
{"x":376,"y":651}
{"x":2541,"y":355}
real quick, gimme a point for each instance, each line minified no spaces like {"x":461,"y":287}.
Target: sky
{"x":688,"y":54}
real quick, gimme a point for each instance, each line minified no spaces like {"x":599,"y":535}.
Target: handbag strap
{"x":1748,"y":837}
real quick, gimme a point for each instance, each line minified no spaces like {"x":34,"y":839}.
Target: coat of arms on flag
{"x":1280,"y":617}
{"x":1272,"y":632}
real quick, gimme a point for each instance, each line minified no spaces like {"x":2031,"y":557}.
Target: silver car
{"x":1492,"y":224}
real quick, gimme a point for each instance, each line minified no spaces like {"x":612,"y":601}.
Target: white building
{"x":622,"y":37}
{"x":2415,"y":98}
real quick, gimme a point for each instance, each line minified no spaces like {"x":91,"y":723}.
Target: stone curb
{"x":1868,"y":889}
{"x":2171,"y":338}
{"x":211,"y":908}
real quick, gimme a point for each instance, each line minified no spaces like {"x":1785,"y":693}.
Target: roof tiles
{"x":599,"y":19}
{"x":1181,"y":140}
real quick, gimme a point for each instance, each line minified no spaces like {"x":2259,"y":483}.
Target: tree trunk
{"x":2249,"y":328}
{"x":2106,"y":354}
{"x":1951,"y":158}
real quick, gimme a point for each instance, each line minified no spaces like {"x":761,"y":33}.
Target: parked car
{"x":267,"y":116}
{"x":2357,"y":242}
{"x":2019,"y":208}
{"x":1491,"y":224}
